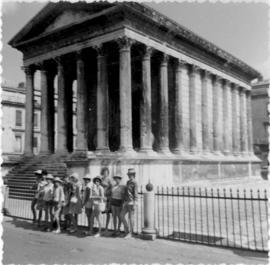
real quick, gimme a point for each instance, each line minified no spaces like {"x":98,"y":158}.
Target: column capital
{"x":29,"y":70}
{"x":194,"y":69}
{"x":147,"y":52}
{"x":218,"y":78}
{"x":79,"y":54}
{"x":59,"y":60}
{"x":164,"y":58}
{"x":235,"y":86}
{"x":125,"y":43}
{"x":207,"y":73}
{"x":100,"y":49}
{"x":43,"y":67}
{"x":180,"y":63}
{"x":227,"y":82}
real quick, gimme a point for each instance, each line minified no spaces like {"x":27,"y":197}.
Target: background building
{"x":13,"y":121}
{"x":260,"y":117}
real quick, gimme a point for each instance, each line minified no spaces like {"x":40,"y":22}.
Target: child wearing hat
{"x":130,"y":202}
{"x":97,"y":199}
{"x":35,"y":187}
{"x":87,"y":200}
{"x":48,"y":202}
{"x":40,"y":195}
{"x":116,"y":202}
{"x":58,"y":202}
{"x":75,"y":203}
{"x":107,"y":183}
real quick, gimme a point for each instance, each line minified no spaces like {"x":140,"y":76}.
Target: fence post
{"x":149,"y":232}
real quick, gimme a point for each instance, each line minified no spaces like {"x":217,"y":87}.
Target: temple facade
{"x":150,"y":94}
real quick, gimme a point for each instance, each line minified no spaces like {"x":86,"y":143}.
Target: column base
{"x":147,"y":151}
{"x":102,"y":151}
{"x":28,"y":154}
{"x":127,"y":151}
{"x":149,"y":234}
{"x":165,"y":151}
{"x":61,"y":152}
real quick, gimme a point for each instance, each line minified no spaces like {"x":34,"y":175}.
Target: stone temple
{"x":151,"y":95}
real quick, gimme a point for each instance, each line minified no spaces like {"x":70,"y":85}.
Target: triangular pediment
{"x":56,"y":16}
{"x":67,"y":18}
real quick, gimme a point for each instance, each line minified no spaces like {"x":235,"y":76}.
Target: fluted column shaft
{"x":227,"y":117}
{"x":235,"y":120}
{"x":81,"y":139}
{"x":125,"y":95}
{"x":61,"y":109}
{"x":243,"y":122}
{"x":164,"y":110}
{"x":249,"y":123}
{"x":217,"y":116}
{"x":180,"y":100}
{"x":102,"y":101}
{"x":29,"y":111}
{"x":206,"y":111}
{"x":195,"y":109}
{"x":145,"y":107}
{"x":45,"y":121}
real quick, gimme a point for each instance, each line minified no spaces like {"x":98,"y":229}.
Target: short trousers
{"x":48,"y":204}
{"x":88,"y":211}
{"x":116,"y":202}
{"x":129,"y":207}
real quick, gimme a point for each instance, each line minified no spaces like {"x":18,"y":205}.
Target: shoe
{"x":97,"y":235}
{"x":73,"y":231}
{"x":58,"y":231}
{"x":128,"y":236}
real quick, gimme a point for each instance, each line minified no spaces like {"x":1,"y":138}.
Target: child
{"x":48,"y":202}
{"x":97,"y":199}
{"x":87,"y":201}
{"x":116,"y":202}
{"x":58,"y":202}
{"x":40,"y":196}
{"x":35,"y":187}
{"x":130,"y":202}
{"x":75,"y":202}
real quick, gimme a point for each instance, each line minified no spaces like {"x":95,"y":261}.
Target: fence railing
{"x":228,"y":217}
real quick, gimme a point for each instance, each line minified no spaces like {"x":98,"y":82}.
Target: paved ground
{"x":23,"y":244}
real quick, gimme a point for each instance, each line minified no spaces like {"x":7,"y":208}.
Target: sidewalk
{"x":24,"y":244}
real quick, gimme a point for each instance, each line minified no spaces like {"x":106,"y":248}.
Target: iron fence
{"x":227,"y":218}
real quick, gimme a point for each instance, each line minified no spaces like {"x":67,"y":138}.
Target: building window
{"x":35,"y":143}
{"x":35,"y":120}
{"x":18,"y":118}
{"x":18,"y":144}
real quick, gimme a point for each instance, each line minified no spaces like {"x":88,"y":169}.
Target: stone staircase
{"x":21,"y":178}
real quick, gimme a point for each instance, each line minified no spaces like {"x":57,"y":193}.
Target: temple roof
{"x":40,"y":25}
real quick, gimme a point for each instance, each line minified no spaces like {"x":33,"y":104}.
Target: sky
{"x":241,"y":29}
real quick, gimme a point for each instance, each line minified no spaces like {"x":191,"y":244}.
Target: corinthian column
{"x":195,"y":109}
{"x":61,"y":109}
{"x":102,"y":101}
{"x":81,"y":139}
{"x":125,"y":95}
{"x":45,"y":121}
{"x":227,"y":117}
{"x":235,"y":120}
{"x":217,"y":115}
{"x":181,"y":90}
{"x":206,"y":113}
{"x":243,"y":122}
{"x":249,"y":123}
{"x":145,"y":108}
{"x":164,"y":110}
{"x":29,"y":111}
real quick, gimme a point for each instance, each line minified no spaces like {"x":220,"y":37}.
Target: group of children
{"x":67,"y":197}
